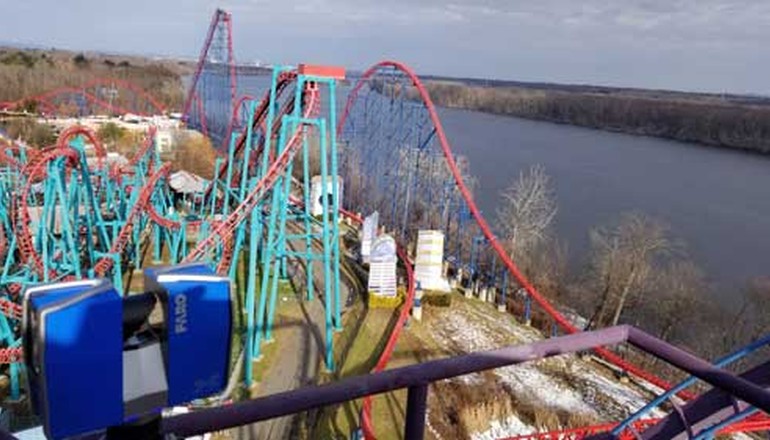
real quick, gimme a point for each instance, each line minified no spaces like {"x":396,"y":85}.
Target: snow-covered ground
{"x":565,"y":384}
{"x":504,"y":428}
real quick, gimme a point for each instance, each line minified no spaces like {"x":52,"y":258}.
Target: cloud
{"x":711,"y":44}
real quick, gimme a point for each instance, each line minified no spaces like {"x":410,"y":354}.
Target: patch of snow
{"x":623,"y":399}
{"x":533,"y":384}
{"x":468,"y":379}
{"x":566,"y":383}
{"x":525,"y":381}
{"x":498,"y":429}
{"x":502,"y":326}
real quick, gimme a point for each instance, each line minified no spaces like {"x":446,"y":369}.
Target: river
{"x":714,"y":200}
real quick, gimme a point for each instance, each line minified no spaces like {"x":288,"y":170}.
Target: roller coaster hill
{"x":68,"y":217}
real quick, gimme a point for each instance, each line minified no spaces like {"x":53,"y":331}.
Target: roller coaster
{"x":68,"y":214}
{"x":98,"y":97}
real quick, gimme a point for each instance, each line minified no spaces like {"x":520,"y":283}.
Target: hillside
{"x":29,"y":72}
{"x":566,"y":391}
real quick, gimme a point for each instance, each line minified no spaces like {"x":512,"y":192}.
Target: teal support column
{"x":256,"y":267}
{"x":335,"y":203}
{"x":42,"y":237}
{"x":269,"y":268}
{"x":277,"y":235}
{"x":251,"y":285}
{"x":214,"y":188}
{"x":236,"y":249}
{"x":157,"y":244}
{"x":228,"y":179}
{"x":326,"y":255}
{"x":67,"y":229}
{"x":137,"y":232}
{"x":308,"y":213}
{"x":267,"y":256}
{"x":176,"y":240}
{"x":282,"y":240}
{"x":15,"y":387}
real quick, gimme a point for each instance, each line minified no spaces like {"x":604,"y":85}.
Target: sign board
{"x":382,"y":267}
{"x":429,"y":260}
{"x":369,"y":234}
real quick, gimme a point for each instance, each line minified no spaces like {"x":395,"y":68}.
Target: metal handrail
{"x":721,"y":362}
{"x":416,"y":379}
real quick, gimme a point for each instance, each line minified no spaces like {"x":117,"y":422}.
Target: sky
{"x":701,"y":45}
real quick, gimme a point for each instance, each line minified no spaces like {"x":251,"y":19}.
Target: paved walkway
{"x":300,"y":355}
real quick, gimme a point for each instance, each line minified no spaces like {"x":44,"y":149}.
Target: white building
{"x":164,"y":140}
{"x":320,"y":192}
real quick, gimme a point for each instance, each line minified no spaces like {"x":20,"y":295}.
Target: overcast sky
{"x":714,"y":45}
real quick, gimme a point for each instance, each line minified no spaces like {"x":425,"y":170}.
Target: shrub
{"x":80,"y":60}
{"x":111,"y":133}
{"x":36,"y":134}
{"x":437,"y":299}
{"x":18,"y":58}
{"x":386,"y":302}
{"x":194,"y":153}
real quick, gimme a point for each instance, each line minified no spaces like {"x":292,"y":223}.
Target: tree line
{"x":25,"y":73}
{"x":710,"y":121}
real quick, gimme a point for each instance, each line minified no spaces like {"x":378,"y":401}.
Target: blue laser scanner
{"x":96,"y":359}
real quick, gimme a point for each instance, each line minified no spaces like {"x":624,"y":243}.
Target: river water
{"x":714,"y":200}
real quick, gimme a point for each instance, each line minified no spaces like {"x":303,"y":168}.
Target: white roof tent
{"x":187,"y":183}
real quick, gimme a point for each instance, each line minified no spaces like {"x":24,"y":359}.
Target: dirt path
{"x":296,"y":364}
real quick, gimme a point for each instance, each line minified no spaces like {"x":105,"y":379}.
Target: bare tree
{"x":752,"y":319}
{"x":550,"y":267}
{"x":678,"y":293}
{"x":526,"y":215}
{"x":622,"y":261}
{"x":194,"y":154}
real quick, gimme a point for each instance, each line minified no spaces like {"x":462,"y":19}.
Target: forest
{"x":724,"y":121}
{"x":30,"y":72}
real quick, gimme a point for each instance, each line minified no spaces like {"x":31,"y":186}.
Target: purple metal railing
{"x":416,"y":379}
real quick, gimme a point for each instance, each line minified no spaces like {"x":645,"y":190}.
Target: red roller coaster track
{"x":754,"y":424}
{"x":260,"y":114}
{"x":47,"y":99}
{"x":225,"y":229}
{"x":105,"y":263}
{"x":23,"y":233}
{"x":565,"y":325}
{"x":38,"y":169}
{"x":226,"y":18}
